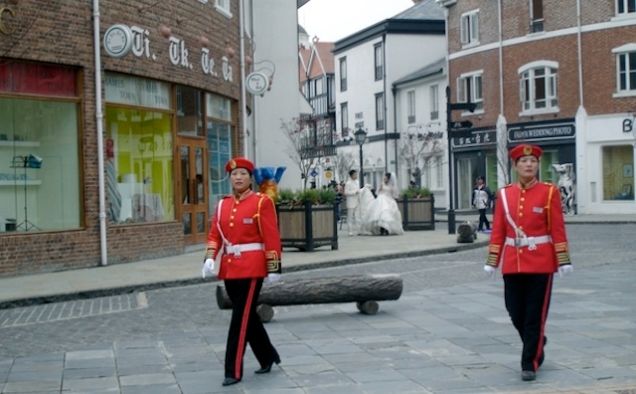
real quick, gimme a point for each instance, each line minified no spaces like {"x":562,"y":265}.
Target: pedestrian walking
{"x":352,"y":194}
{"x":244,"y":232}
{"x":530,"y":244}
{"x":482,"y":198}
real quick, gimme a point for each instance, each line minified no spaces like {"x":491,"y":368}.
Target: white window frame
{"x":223,"y":7}
{"x":410,"y":99}
{"x":469,"y":28}
{"x":343,"y":74}
{"x":527,"y":72}
{"x":625,"y":4}
{"x":434,"y":93}
{"x":536,"y":24}
{"x":473,"y":79}
{"x":624,"y":50}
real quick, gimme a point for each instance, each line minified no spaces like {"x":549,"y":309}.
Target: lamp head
{"x":360,"y":136}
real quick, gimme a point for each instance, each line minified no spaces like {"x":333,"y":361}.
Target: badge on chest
{"x":248,"y":220}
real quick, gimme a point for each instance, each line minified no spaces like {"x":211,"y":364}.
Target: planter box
{"x":418,"y":213}
{"x":308,"y":227}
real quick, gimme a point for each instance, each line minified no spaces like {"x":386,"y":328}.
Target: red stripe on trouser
{"x":544,"y":316}
{"x":238,"y":363}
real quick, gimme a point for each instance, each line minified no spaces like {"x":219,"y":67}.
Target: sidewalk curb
{"x":21,"y":302}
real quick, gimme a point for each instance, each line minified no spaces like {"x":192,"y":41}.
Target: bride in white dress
{"x":380,"y":215}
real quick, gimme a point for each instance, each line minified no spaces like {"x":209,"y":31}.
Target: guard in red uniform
{"x":529,"y":243}
{"x":244,"y":230}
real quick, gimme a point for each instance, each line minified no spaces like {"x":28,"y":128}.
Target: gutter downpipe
{"x":99,"y":117}
{"x":579,"y":49}
{"x":386,"y":121}
{"x":243,"y":104}
{"x":395,"y":128}
{"x":501,"y":96}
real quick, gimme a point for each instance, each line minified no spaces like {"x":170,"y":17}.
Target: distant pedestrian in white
{"x":352,"y":194}
{"x":381,"y":215}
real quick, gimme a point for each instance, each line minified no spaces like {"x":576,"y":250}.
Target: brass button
{"x":520,"y":214}
{"x":520,"y":251}
{"x":523,"y":191}
{"x":523,"y":199}
{"x":229,"y":260}
{"x":231,"y":216}
{"x":520,"y":207}
{"x":231,"y":224}
{"x":234,"y":210}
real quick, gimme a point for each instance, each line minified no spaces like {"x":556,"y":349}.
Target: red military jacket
{"x":246,"y":221}
{"x":536,"y":211}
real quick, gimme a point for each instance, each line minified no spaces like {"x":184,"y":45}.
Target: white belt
{"x":238,"y":248}
{"x":530,"y":242}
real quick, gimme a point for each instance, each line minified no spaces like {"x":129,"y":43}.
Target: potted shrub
{"x":417,"y":207}
{"x":307,"y":219}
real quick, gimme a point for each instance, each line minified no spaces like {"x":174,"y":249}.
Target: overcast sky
{"x":332,"y":20}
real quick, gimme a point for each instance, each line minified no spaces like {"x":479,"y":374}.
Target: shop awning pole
{"x":99,"y":118}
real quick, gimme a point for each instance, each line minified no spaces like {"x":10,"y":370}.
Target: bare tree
{"x":301,"y":145}
{"x":417,"y":147}
{"x":343,"y":163}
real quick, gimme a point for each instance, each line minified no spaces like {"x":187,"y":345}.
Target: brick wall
{"x":599,"y":63}
{"x":60,"y":31}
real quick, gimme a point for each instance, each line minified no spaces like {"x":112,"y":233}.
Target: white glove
{"x":271,"y":278}
{"x":565,"y":269}
{"x":208,"y":268}
{"x":490,"y":270}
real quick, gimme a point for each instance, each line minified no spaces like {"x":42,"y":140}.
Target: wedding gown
{"x":380,"y":212}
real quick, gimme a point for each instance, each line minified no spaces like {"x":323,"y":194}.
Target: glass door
{"x":192,"y":187}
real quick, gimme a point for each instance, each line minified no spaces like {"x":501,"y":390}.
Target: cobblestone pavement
{"x":448,"y":333}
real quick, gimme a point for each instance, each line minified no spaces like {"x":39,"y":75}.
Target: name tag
{"x":248,"y":221}
{"x":537,"y":209}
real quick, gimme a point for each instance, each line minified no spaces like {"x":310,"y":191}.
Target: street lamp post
{"x":360,"y":136}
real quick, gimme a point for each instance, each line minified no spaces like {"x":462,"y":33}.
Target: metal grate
{"x":68,"y":310}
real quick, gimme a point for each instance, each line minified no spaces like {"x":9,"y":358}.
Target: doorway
{"x":191,"y":189}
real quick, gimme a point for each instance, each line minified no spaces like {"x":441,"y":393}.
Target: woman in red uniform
{"x":529,"y":241}
{"x":244,"y":230}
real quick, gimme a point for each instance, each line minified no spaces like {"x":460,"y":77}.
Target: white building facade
{"x":366,"y":64}
{"x":420,"y":119}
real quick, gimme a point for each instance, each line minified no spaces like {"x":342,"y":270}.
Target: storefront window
{"x":219,"y":138}
{"x":39,"y":165}
{"x":139,"y":157}
{"x":618,"y":172}
{"x":189,"y":111}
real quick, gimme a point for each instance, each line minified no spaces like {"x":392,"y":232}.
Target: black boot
{"x":230,"y":381}
{"x":268,"y":368}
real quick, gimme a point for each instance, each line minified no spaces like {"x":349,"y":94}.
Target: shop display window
{"x":618,"y":172}
{"x":139,"y":165}
{"x":219,"y":139}
{"x":39,"y":164}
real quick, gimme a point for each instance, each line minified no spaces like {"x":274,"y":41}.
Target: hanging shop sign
{"x":257,"y":83}
{"x":120,"y":39}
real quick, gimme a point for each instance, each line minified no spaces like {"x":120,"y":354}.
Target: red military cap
{"x":239,"y":162}
{"x":525,"y":150}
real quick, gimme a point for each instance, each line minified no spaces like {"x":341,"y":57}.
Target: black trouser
{"x":527,"y":301}
{"x":483,"y":220}
{"x":246,"y":327}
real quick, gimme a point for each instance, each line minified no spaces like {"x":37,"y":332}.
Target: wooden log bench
{"x":364,"y":290}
